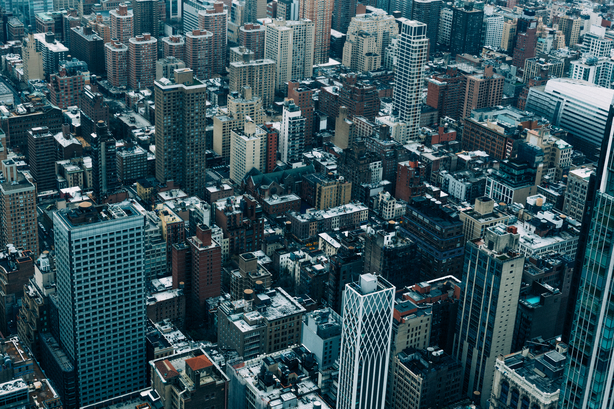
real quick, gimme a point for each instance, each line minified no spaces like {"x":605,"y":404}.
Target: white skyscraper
{"x":412,"y":56}
{"x":247,"y":150}
{"x":493,"y":30}
{"x":100,"y":288}
{"x":365,"y":343}
{"x":292,"y":135}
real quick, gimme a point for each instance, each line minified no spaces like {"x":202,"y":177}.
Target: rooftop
{"x":87,"y":213}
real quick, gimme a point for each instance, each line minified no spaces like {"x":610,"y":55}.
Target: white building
{"x":412,"y":57}
{"x":445,"y":25}
{"x":292,"y":133}
{"x":493,"y":30}
{"x":247,"y":150}
{"x":365,"y":343}
{"x":575,"y":194}
{"x":100,"y":287}
{"x":596,"y":43}
{"x":381,"y":28}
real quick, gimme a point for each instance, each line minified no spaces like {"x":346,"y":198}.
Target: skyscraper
{"x":588,"y":377}
{"x":291,"y":45}
{"x":292,"y":134}
{"x":247,"y":150}
{"x":41,"y":153}
{"x":146,"y":17}
{"x":466,"y":33}
{"x":254,"y":9}
{"x":104,"y":162}
{"x":413,"y":46}
{"x":216,"y":22}
{"x":199,"y":53}
{"x":180,"y":131}
{"x":365,"y":343}
{"x":116,"y":55}
{"x":142,"y":55}
{"x":427,"y":12}
{"x":100,"y":287}
{"x":343,"y":12}
{"x":17,"y":209}
{"x":122,"y":23}
{"x":488,"y":303}
{"x":321,"y":13}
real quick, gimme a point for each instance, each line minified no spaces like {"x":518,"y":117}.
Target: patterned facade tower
{"x":321,"y":13}
{"x":588,"y":381}
{"x":216,"y":22}
{"x":365,"y":343}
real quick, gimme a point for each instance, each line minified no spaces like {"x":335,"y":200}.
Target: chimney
{"x":203,"y":233}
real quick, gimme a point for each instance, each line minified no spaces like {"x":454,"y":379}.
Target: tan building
{"x":116,"y":56}
{"x":259,"y":75}
{"x":330,"y":193}
{"x":247,"y":150}
{"x":122,"y":23}
{"x":575,"y":194}
{"x":240,"y":53}
{"x":248,"y":276}
{"x":476,"y":220}
{"x":291,"y":45}
{"x":536,"y":67}
{"x":368,"y":34}
{"x":510,"y":26}
{"x":482,"y":90}
{"x":239,"y":106}
{"x":321,"y":13}
{"x":32,"y":60}
{"x":18,"y":216}
{"x":570,"y":26}
{"x":142,"y":55}
{"x":181,"y":105}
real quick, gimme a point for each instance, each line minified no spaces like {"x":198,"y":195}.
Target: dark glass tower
{"x":104,"y":162}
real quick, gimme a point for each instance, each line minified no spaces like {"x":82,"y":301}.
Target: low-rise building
{"x":310,"y":224}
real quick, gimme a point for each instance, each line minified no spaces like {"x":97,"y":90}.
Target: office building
{"x":116,"y":56}
{"x":112,"y":319}
{"x":17,"y":209}
{"x":52,"y":52}
{"x":180,"y":131}
{"x":424,"y":378}
{"x":215,"y":21}
{"x":323,"y":191}
{"x":490,"y":265}
{"x":87,"y":46}
{"x":365,"y":343}
{"x":251,"y":36}
{"x":427,"y":12}
{"x":292,"y":133}
{"x":41,"y":153}
{"x":290,"y":44}
{"x":259,"y":75}
{"x":199,"y":55}
{"x":576,"y":192}
{"x":526,"y":39}
{"x":189,"y":379}
{"x":543,"y":68}
{"x":482,"y":90}
{"x":413,"y":48}
{"x":586,"y":381}
{"x":303,"y":97}
{"x":104,"y":162}
{"x":142,"y":57}
{"x":466,"y":31}
{"x":131,"y":164}
{"x":320,"y":12}
{"x":343,"y":12}
{"x":174,"y":46}
{"x":515,"y":381}
{"x":322,"y":336}
{"x":379,"y":28}
{"x":240,"y":217}
{"x":122,"y":23}
{"x":247,"y":150}
{"x":146,"y":17}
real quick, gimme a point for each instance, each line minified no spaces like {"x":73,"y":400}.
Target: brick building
{"x":215,"y":21}
{"x":142,"y":57}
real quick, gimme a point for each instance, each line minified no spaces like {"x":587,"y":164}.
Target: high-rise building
{"x":18,"y":222}
{"x":576,"y":192}
{"x":571,"y":26}
{"x":259,"y":75}
{"x":247,"y":150}
{"x":104,"y":162}
{"x":526,"y":40}
{"x":122,"y":23}
{"x":489,"y":294}
{"x":379,"y":27}
{"x":32,"y":59}
{"x":66,"y":86}
{"x":87,"y":46}
{"x":173,"y":46}
{"x":288,"y":9}
{"x":365,"y":343}
{"x":596,"y":43}
{"x":466,"y":33}
{"x":493,"y":30}
{"x":427,"y":12}
{"x":99,"y":252}
{"x":413,"y":47}
{"x":116,"y":55}
{"x":587,"y":381}
{"x":254,"y":10}
{"x":303,"y":98}
{"x":320,"y":12}
{"x":251,"y":36}
{"x":446,"y":93}
{"x":292,"y":134}
{"x":146,"y":17}
{"x":343,"y":12}
{"x":180,"y":131}
{"x":165,"y":67}
{"x":142,"y":57}
{"x":290,"y":44}
{"x":41,"y":154}
{"x":215,"y":21}
{"x":482,"y":91}
{"x":93,"y":109}
{"x":199,"y":53}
